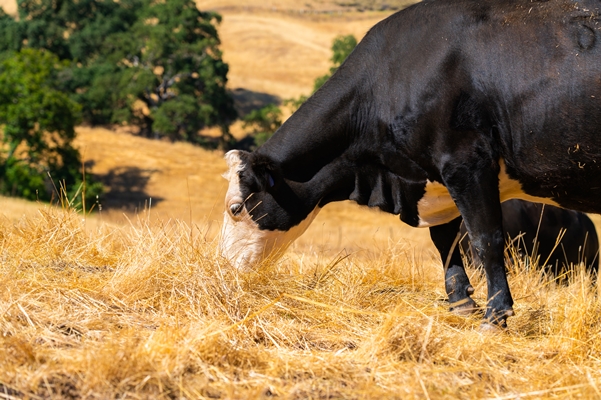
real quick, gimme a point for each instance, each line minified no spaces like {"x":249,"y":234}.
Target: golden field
{"x":149,"y":311}
{"x":133,"y":302}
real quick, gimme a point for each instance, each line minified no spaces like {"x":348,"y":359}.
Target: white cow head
{"x":263,"y":214}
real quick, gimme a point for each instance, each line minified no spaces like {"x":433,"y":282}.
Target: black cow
{"x":443,"y":110}
{"x":560,"y":238}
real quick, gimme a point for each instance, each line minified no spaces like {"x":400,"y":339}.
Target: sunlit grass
{"x":150,"y":310}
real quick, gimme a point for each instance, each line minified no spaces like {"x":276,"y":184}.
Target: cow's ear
{"x":234,"y":160}
{"x":267,"y":173}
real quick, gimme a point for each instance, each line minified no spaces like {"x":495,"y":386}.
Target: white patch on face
{"x":246,"y":246}
{"x":242,"y":242}
{"x":234,"y":163}
{"x":437,"y":207}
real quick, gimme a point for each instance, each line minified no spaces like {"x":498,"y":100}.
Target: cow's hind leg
{"x":474,"y":186}
{"x":457,"y":284}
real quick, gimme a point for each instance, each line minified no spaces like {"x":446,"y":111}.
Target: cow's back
{"x":523,"y":74}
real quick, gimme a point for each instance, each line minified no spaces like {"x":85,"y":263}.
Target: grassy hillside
{"x":133,"y":301}
{"x":282,"y":53}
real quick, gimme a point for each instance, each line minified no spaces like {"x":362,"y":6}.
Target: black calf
{"x":534,"y":230}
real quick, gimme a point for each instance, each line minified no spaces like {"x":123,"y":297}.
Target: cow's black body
{"x":559,"y":238}
{"x":485,"y":99}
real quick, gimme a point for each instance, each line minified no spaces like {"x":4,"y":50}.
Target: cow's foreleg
{"x":457,"y":284}
{"x":475,"y":189}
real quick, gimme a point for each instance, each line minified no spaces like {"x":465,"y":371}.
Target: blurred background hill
{"x":275,"y":50}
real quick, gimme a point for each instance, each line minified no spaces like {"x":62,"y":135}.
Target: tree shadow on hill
{"x":126,"y":189}
{"x":246,"y":101}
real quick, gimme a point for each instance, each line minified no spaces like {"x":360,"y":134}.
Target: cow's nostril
{"x":236,"y":208}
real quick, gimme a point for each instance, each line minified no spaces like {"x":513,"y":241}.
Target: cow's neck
{"x":316,"y":134}
{"x":335,"y":149}
{"x":309,"y":147}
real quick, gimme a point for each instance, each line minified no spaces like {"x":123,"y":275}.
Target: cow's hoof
{"x":465,"y":307}
{"x":470,"y":290}
{"x":490,"y":328}
{"x":496,"y":323}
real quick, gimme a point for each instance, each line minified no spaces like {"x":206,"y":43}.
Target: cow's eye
{"x":236,"y":208}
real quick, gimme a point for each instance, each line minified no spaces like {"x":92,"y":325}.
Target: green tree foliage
{"x":263,"y":122}
{"x":74,"y":30}
{"x":37,"y":128}
{"x":170,"y":61}
{"x":11,"y":32}
{"x":155,"y":64}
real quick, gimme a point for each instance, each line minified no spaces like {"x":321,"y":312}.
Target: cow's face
{"x":263,"y":214}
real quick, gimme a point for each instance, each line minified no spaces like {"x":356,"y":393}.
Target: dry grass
{"x":149,"y":311}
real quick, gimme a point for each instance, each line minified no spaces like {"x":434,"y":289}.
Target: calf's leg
{"x":457,"y":284}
